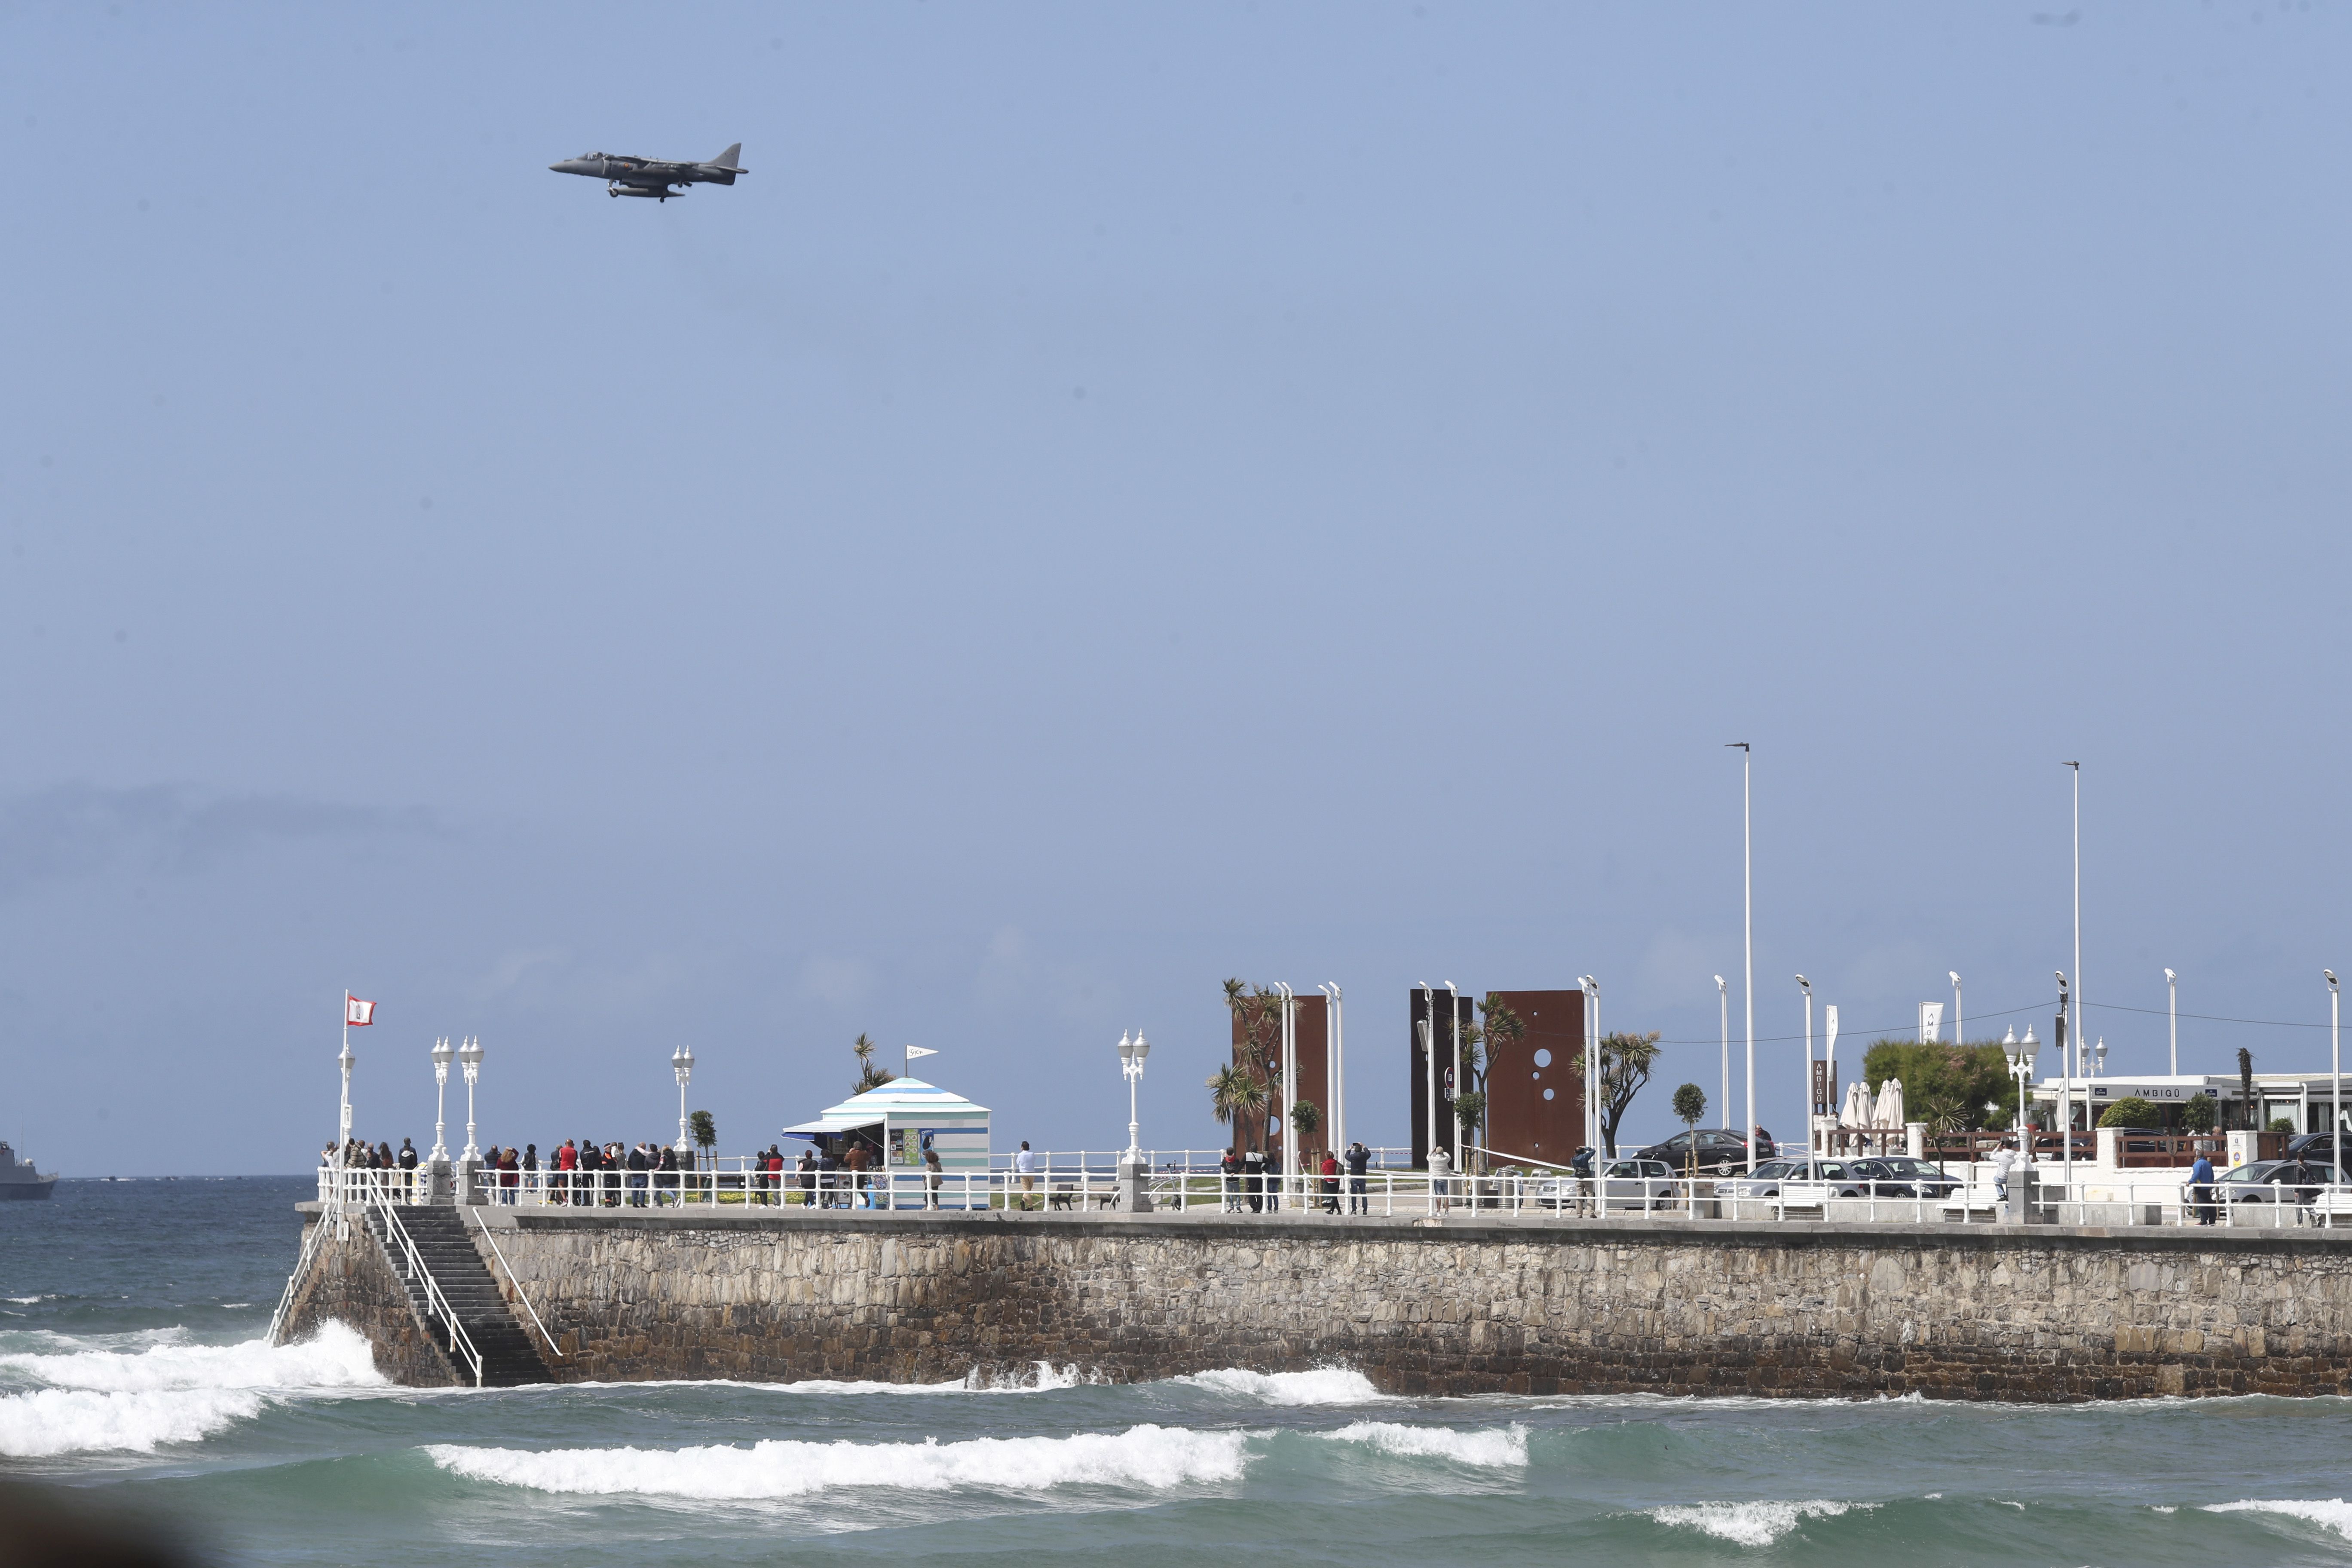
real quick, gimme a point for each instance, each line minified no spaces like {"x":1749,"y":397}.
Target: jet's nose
{"x":578,"y":166}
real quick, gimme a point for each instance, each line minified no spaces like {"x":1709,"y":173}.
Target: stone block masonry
{"x":1469,"y":1306}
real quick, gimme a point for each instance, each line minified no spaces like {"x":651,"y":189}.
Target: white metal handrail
{"x":1526,"y":1189}
{"x":507,"y":1269}
{"x":311,"y":1238}
{"x":459,"y":1340}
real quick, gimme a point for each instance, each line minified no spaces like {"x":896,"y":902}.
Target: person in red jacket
{"x":1330,"y":1171}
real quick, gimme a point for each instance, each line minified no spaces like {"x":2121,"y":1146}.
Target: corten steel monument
{"x":1314,"y":1084}
{"x":1535,"y":1086}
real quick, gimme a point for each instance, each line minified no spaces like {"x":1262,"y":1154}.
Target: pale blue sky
{"x":1120,"y":497}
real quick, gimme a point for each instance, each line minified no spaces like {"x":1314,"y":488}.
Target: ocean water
{"x":131,"y":1368}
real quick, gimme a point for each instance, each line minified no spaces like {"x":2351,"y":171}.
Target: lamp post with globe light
{"x":441,"y":1056}
{"x":2020,"y":1064}
{"x":1131,"y":1053}
{"x":681,"y":1064}
{"x":469,"y":1056}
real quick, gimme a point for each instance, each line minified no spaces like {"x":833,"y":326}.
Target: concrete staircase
{"x":446,"y":1245}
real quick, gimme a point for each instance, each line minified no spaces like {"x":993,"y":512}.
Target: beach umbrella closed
{"x":1857,"y":1108}
{"x":1890,"y":1104}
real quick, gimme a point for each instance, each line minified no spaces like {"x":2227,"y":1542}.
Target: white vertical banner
{"x":1931,"y":1022}
{"x":1830,"y":1050}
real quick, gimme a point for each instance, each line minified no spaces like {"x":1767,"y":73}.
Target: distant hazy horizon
{"x":1121,"y":498}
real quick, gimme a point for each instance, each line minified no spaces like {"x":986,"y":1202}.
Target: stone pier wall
{"x":349,"y":1280}
{"x":1980,"y":1311}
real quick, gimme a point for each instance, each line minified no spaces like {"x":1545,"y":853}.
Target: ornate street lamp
{"x":441,"y":1055}
{"x":470,"y":1056}
{"x":2020,"y":1064}
{"x":1130,"y":1063}
{"x":681,"y":1063}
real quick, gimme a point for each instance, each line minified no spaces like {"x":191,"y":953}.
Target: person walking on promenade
{"x":530,"y":1170}
{"x":2003,"y":1158}
{"x":828,"y":1170}
{"x":1359,"y":1160}
{"x":1441,"y":1189}
{"x":1330,"y":1183}
{"x":510,"y":1175}
{"x":806,"y":1165}
{"x":666,"y":1177}
{"x":1230,"y":1168}
{"x":856,"y":1160}
{"x":1025,"y":1164}
{"x":408,"y":1170}
{"x":1254,"y":1179}
{"x":2201,"y":1189}
{"x":932,"y":1176}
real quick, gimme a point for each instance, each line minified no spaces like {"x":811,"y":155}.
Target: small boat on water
{"x":19,"y":1180}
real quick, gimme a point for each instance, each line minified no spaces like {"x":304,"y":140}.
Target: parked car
{"x":2271,"y":1182}
{"x":2316,"y":1149}
{"x":1719,"y":1151}
{"x":1900,"y":1176}
{"x":1624,"y":1184}
{"x":1764,"y":1183}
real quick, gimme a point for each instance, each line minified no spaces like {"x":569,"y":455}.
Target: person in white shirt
{"x":2002,"y":1159}
{"x":1440,"y":1166}
{"x":1025,"y":1164}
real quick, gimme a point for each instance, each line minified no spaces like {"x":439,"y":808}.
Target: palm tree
{"x":1258,"y":1011}
{"x":1236,"y":1097}
{"x":868,"y":1075}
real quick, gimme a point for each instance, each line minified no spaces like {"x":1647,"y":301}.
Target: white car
{"x":1624,"y":1184}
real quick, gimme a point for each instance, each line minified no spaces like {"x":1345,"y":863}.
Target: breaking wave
{"x":2331,"y":1513}
{"x":1747,"y":1523}
{"x":1323,"y":1385}
{"x":137,"y":1401}
{"x":1155,"y":1457}
{"x":1493,"y":1447}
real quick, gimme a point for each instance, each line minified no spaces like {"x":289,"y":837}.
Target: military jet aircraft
{"x":651,"y":176}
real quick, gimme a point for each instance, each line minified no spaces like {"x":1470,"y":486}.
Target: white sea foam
{"x":1147,"y":1457}
{"x":1323,"y":1385}
{"x":337,"y":1357}
{"x":97,"y":1400}
{"x":51,"y":1421}
{"x":1493,"y":1447}
{"x":1757,"y":1524}
{"x":2332,"y":1513}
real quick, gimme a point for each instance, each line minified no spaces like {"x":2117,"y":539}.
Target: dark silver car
{"x":1900,"y":1176}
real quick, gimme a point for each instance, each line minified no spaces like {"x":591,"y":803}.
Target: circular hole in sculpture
{"x":1543,"y":1058}
{"x":1546,"y":1094}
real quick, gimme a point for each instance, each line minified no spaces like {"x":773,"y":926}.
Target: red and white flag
{"x":356,"y":1012}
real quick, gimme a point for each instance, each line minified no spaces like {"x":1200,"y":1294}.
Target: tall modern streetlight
{"x":2335,"y":1072}
{"x":441,"y":1055}
{"x":1806,"y":986}
{"x":1289,"y":1077}
{"x":2072,"y":1067}
{"x":1959,"y":1019}
{"x":1748,"y":905}
{"x":1335,"y":1065}
{"x":469,"y":1056}
{"x":1592,"y":988}
{"x":1723,"y":1006}
{"x":681,"y":1064}
{"x":2172,"y":1007}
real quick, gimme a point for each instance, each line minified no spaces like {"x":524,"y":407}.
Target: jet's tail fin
{"x":727,"y":160}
